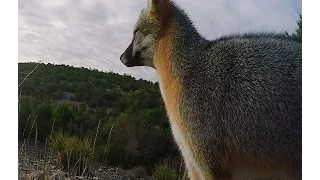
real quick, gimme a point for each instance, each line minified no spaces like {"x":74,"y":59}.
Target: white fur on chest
{"x":179,"y":135}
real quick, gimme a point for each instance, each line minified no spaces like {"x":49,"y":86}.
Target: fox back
{"x":234,"y":103}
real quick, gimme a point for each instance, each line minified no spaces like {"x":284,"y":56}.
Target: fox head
{"x":150,"y":27}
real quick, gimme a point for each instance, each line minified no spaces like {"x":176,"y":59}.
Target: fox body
{"x":234,"y":103}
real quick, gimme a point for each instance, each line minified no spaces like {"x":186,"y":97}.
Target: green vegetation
{"x":298,"y":33}
{"x":73,"y":153}
{"x":164,"y":171}
{"x":121,"y":121}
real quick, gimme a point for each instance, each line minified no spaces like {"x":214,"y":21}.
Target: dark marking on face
{"x":130,"y":60}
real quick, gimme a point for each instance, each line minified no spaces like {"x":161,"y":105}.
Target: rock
{"x":137,"y":172}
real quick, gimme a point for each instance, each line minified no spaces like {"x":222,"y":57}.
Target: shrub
{"x":62,"y":114}
{"x":73,"y":153}
{"x":164,"y":172}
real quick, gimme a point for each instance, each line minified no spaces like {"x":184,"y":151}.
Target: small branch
{"x":28,"y":75}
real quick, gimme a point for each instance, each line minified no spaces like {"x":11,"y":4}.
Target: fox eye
{"x":135,"y":31}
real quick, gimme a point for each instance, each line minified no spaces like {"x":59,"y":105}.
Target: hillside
{"x":105,"y":118}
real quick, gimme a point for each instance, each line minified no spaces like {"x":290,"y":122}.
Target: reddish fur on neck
{"x":162,"y":10}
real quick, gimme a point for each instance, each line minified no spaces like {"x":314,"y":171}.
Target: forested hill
{"x":123,"y":119}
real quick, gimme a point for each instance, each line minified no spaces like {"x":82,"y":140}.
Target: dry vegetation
{"x":38,"y":161}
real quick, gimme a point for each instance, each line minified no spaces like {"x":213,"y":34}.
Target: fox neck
{"x":173,"y":54}
{"x":180,"y":40}
{"x":186,"y":36}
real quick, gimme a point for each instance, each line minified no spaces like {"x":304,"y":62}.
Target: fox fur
{"x":234,"y":103}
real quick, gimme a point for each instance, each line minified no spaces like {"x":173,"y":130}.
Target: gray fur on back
{"x":241,"y":95}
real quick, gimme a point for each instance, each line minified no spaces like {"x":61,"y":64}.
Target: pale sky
{"x":94,"y":33}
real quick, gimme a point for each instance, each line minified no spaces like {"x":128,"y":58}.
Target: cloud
{"x":94,"y":33}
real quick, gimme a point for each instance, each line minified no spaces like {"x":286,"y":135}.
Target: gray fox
{"x":234,"y":103}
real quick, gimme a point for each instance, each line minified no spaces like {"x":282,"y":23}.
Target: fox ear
{"x":162,"y":10}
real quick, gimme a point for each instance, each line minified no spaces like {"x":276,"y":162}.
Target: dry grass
{"x":40,"y":162}
{"x":43,"y":160}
